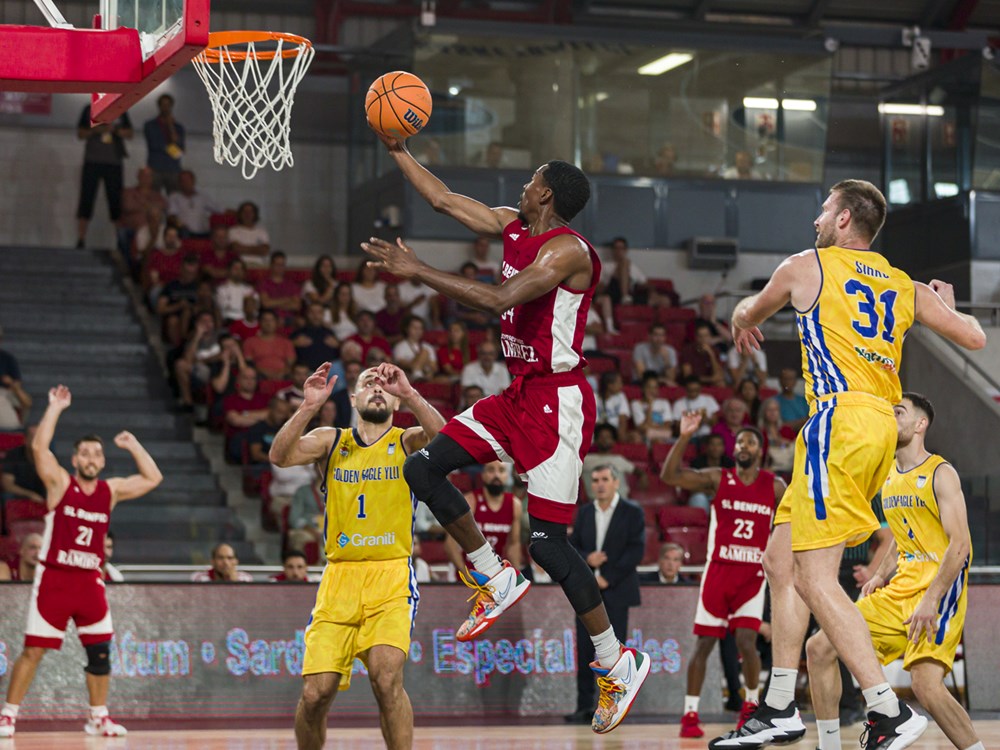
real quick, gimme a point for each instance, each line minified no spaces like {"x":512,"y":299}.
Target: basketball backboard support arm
{"x":52,"y":14}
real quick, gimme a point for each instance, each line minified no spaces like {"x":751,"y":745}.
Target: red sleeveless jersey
{"x":544,"y":335}
{"x":75,"y":530}
{"x":741,"y":519}
{"x":495,"y":524}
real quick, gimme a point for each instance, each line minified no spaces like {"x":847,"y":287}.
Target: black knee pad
{"x":98,"y":659}
{"x":551,"y":549}
{"x":426,"y":472}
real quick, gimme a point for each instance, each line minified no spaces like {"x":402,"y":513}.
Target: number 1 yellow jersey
{"x":852,"y":336}
{"x":369,"y":506}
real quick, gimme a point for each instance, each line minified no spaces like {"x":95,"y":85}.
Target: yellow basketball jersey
{"x":911,"y":510}
{"x":852,"y":336}
{"x":369,"y":506}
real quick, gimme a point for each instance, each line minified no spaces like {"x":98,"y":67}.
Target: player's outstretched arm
{"x":49,"y":471}
{"x":935,"y":308}
{"x":696,"y":480}
{"x":951,"y":507}
{"x":751,"y":311}
{"x":477,"y":216}
{"x":136,"y":485}
{"x":430,"y":421}
{"x":290,"y":447}
{"x":560,"y":259}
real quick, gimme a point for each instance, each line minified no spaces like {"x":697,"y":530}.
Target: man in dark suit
{"x":610,"y":534}
{"x":668,"y":567}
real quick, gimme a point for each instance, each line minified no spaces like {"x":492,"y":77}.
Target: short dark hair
{"x":92,"y":437}
{"x":256,"y":210}
{"x":300,"y":363}
{"x":714,"y":436}
{"x":691,"y":379}
{"x":294,"y":553}
{"x":405,"y":323}
{"x":235,"y":262}
{"x":468,"y":264}
{"x":605,"y":427}
{"x":278,"y":254}
{"x":865,"y":202}
{"x":268,"y":311}
{"x":570,"y":188}
{"x":161,"y":97}
{"x":923,"y":403}
{"x":615,"y":240}
{"x":753,"y":431}
{"x":650,"y":375}
{"x":655,"y":326}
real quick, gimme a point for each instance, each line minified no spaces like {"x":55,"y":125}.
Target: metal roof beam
{"x":816,"y":12}
{"x":889,"y":36}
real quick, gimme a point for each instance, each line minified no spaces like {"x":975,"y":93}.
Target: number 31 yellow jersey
{"x":369,"y":506}
{"x":852,"y":336}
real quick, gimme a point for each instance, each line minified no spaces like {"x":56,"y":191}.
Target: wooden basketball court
{"x":543,"y":737}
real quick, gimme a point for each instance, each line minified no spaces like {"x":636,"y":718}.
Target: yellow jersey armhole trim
{"x":819,"y":293}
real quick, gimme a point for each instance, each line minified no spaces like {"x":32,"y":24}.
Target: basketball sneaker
{"x":892,"y":733}
{"x":7,"y":725}
{"x":748,"y":709}
{"x":765,"y":726}
{"x":618,"y":688}
{"x":102,"y":726}
{"x":691,"y":725}
{"x":493,"y":596}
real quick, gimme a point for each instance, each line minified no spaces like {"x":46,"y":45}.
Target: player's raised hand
{"x":393,"y":144}
{"x":394,"y":380}
{"x":923,"y":620}
{"x":398,"y":259}
{"x":318,"y":386}
{"x":690,"y":422}
{"x":746,"y":340}
{"x":126,"y":440}
{"x":60,"y":397}
{"x":945,"y":290}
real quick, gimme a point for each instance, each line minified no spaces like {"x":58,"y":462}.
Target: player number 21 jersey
{"x":74,"y":531}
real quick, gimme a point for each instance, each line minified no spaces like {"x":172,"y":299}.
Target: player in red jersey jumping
{"x":732,"y":586}
{"x":543,"y":422}
{"x":68,"y":583}
{"x":497,"y":514}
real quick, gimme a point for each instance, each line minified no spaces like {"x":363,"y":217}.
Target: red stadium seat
{"x":20,"y":510}
{"x":633,"y":333}
{"x":664,"y":286}
{"x":651,"y":552}
{"x":256,"y":275}
{"x":21,"y":529}
{"x":9,"y":548}
{"x":677,"y":314}
{"x":298,"y":275}
{"x":637,"y":453}
{"x":270,"y":387}
{"x":677,"y":334}
{"x":609,"y":341}
{"x":694,"y":540}
{"x":624,"y":362}
{"x":432,"y":552}
{"x":10,"y":440}
{"x":682,"y":516}
{"x":766,"y":393}
{"x":476,"y":338}
{"x":404,"y":419}
{"x":461,"y":480}
{"x":633,"y":392}
{"x":311,"y":552}
{"x":635,"y":313}
{"x":671,"y":392}
{"x":655,"y":493}
{"x":597,"y":365}
{"x":438,"y":391}
{"x":659,"y":452}
{"x":436,"y":338}
{"x":719,"y":392}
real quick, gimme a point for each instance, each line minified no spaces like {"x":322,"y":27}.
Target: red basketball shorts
{"x":59,"y":596}
{"x":544,"y":425}
{"x":731,"y":596}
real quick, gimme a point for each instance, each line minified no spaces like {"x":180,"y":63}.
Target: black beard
{"x":494,"y":488}
{"x":522,"y":218}
{"x":746,"y":463}
{"x":88,"y":477}
{"x":375,"y":414}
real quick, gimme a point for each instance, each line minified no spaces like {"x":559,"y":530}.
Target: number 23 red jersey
{"x":75,"y":529}
{"x":741,"y":519}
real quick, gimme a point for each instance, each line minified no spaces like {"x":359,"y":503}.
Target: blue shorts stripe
{"x":949,"y":605}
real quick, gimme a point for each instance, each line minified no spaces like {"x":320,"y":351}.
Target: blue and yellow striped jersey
{"x":852,"y":336}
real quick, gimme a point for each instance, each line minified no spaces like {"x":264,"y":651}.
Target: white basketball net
{"x":252,"y":92}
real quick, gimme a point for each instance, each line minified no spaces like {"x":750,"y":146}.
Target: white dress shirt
{"x":602,"y":519}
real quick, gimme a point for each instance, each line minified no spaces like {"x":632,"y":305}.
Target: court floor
{"x":546,"y":737}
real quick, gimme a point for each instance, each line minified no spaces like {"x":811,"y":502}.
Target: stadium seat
{"x":270,"y":387}
{"x":659,"y":452}
{"x":436,"y":338}
{"x":609,"y":341}
{"x":21,"y":529}
{"x":436,"y":391}
{"x":635,"y":313}
{"x":312,"y":553}
{"x":682,"y":516}
{"x":624,"y":362}
{"x":461,"y":480}
{"x":656,"y":493}
{"x":20,"y":510}
{"x":633,"y":392}
{"x":676,"y":314}
{"x":633,"y":333}
{"x":651,"y":552}
{"x":694,"y":539}
{"x":404,"y":419}
{"x":671,"y":392}
{"x":677,"y":334}
{"x":298,"y":275}
{"x":598,"y":365}
{"x":637,"y":453}
{"x":476,"y":338}
{"x":664,"y":286}
{"x":719,"y":392}
{"x":10,"y":440}
{"x":766,"y":393}
{"x":9,"y":548}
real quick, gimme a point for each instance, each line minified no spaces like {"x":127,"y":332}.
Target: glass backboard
{"x":157,"y":21}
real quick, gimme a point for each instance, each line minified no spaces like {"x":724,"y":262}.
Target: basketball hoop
{"x":252,"y":90}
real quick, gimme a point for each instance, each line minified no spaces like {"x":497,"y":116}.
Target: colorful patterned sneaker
{"x":749,"y":707}
{"x":765,"y":726}
{"x":104,"y":727}
{"x":7,"y":725}
{"x":885,"y":733}
{"x":691,"y":725}
{"x":493,"y":596}
{"x":618,"y":688}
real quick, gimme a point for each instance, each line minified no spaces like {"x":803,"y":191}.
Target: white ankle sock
{"x":691,"y":703}
{"x":607,"y":650}
{"x":781,"y":690}
{"x":882,"y":700}
{"x":486,"y":561}
{"x":98,"y":712}
{"x":752,"y":696}
{"x":829,"y":734}
{"x":977,"y":746}
{"x":10,"y":709}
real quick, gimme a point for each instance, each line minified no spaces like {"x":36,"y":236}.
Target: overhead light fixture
{"x":454,"y":90}
{"x":665,"y":63}
{"x":890,"y":108}
{"x":759,"y":102}
{"x":600,"y":96}
{"x":798,"y":105}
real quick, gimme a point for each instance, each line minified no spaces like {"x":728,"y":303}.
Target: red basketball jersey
{"x":741,"y":518}
{"x":495,"y":524}
{"x":75,"y":530}
{"x":544,"y":335}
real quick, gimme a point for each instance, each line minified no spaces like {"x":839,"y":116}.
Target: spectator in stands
{"x":193,"y":369}
{"x":322,"y":282}
{"x":278,"y":293}
{"x":108,"y":571}
{"x":23,"y":567}
{"x":149,"y":236}
{"x":136,"y":202}
{"x":293,"y":393}
{"x":368,"y":290}
{"x":327,"y":416}
{"x":734,"y":418}
{"x":605,"y":438}
{"x":721,"y":336}
{"x":389,"y":319}
{"x":243,"y":408}
{"x":285,"y":481}
{"x":260,"y":435}
{"x":315,"y":343}
{"x":176,"y":303}
{"x":624,"y":282}
{"x":225,"y":568}
{"x":229,"y":295}
{"x":368,"y":337}
{"x":248,"y":236}
{"x":420,"y":300}
{"x":742,"y":169}
{"x":471,"y":394}
{"x":103,"y":157}
{"x":20,"y":479}
{"x":652,"y":415}
{"x":694,"y":400}
{"x":474,"y":320}
{"x":713,"y":454}
{"x":748,"y":391}
{"x":454,"y":355}
{"x":246,"y":329}
{"x":612,"y":403}
{"x":665,"y":163}
{"x":655,"y":355}
{"x":487,"y":268}
{"x":224,"y":374}
{"x":668,"y":567}
{"x":294,"y":569}
{"x":485,"y":371}
{"x":164,"y":145}
{"x":492,"y":157}
{"x":306,"y":513}
{"x":163,"y":264}
{"x":216,"y":260}
{"x":189,"y":210}
{"x":794,"y":408}
{"x":412,"y":353}
{"x":270,"y":352}
{"x":747,"y":366}
{"x":14,"y":400}
{"x":204,"y":301}
{"x":421,"y":570}
{"x":350,"y":352}
{"x":700,"y":359}
{"x":779,"y":436}
{"x":343,"y":312}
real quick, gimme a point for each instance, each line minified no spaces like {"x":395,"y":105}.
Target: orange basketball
{"x":398,"y":104}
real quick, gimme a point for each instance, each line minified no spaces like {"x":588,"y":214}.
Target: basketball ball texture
{"x":398,"y":104}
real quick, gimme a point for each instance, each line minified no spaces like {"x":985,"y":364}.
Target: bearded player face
{"x":747,"y":450}
{"x":372,"y":402}
{"x":88,"y":459}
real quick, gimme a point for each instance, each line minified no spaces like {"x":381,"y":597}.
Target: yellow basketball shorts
{"x":359,"y":605}
{"x":842,"y":457}
{"x":885,"y":611}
